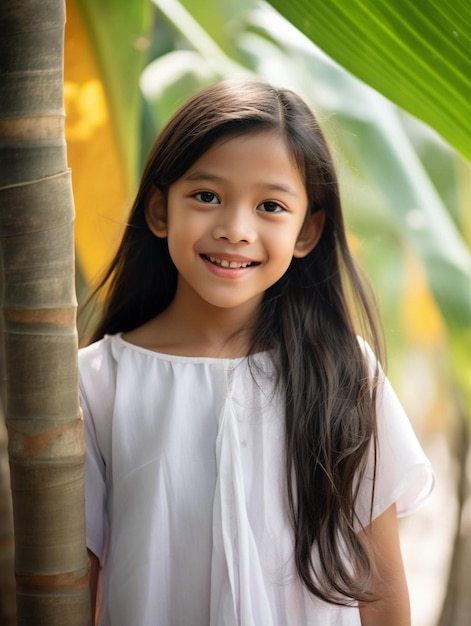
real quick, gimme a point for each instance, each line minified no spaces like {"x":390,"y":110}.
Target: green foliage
{"x":118,"y":30}
{"x":415,"y":53}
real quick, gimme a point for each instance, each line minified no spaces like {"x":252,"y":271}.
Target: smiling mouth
{"x":229,"y":264}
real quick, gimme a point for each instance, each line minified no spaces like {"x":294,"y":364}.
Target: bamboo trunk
{"x":46,"y":447}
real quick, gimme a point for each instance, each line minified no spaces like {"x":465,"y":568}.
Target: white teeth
{"x":230,"y":264}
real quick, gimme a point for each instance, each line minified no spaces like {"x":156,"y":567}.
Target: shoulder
{"x":96,"y":357}
{"x":97,"y":368}
{"x":96,"y":348}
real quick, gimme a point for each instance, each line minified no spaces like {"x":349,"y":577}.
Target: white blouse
{"x":185,"y":489}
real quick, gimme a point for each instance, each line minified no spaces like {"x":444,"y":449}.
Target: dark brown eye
{"x":270,"y":207}
{"x":208,"y":197}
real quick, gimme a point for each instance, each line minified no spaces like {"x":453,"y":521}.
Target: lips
{"x":228,"y":263}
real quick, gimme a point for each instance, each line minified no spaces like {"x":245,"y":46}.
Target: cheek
{"x":181,"y":248}
{"x":184,"y":226}
{"x":283,"y":241}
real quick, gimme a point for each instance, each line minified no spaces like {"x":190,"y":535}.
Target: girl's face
{"x":235,"y":220}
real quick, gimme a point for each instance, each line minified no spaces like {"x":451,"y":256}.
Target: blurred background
{"x":406,"y":192}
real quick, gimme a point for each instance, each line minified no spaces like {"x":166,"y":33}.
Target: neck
{"x":199,"y":329}
{"x":210,"y":331}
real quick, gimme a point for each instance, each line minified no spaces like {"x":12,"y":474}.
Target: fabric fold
{"x":238,"y":593}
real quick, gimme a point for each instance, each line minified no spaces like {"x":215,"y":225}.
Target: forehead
{"x":256,"y":153}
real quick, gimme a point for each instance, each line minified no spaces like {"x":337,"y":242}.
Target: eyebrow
{"x":202,"y":176}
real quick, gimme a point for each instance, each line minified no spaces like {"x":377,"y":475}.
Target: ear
{"x":310,"y":234}
{"x":156,"y":213}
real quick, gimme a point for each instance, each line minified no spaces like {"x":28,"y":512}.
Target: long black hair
{"x":310,"y":319}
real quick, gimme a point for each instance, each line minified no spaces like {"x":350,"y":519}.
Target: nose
{"x":235,"y":224}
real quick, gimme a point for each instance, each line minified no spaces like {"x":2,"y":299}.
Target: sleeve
{"x":403,"y":474}
{"x":94,"y":400}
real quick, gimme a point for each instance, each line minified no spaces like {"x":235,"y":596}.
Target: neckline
{"x":164,"y":356}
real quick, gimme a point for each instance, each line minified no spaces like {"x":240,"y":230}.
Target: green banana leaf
{"x":418,"y":54}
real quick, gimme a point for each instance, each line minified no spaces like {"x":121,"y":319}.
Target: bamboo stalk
{"x":46,"y":446}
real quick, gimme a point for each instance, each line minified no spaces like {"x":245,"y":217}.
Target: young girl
{"x":246,"y":457}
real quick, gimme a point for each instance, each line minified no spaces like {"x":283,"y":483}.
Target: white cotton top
{"x":186,"y":502}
